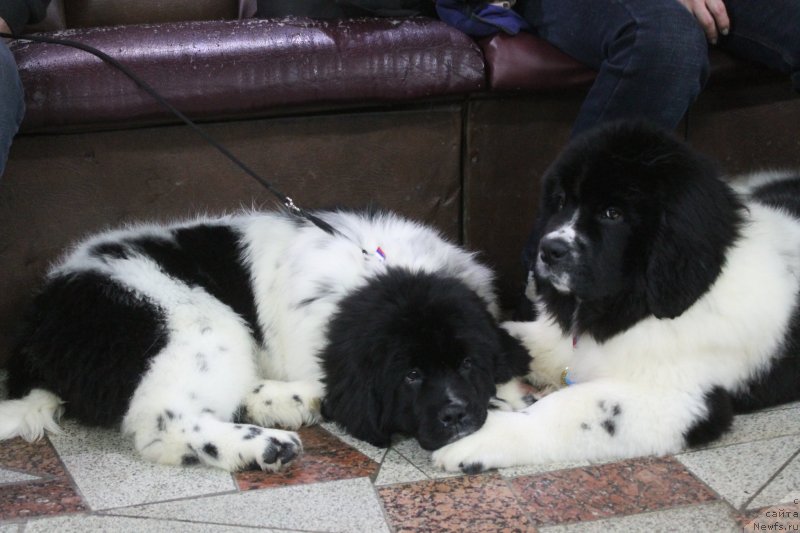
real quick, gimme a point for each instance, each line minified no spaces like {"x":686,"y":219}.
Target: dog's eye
{"x":611,"y":213}
{"x":466,"y":364}
{"x":413,"y":376}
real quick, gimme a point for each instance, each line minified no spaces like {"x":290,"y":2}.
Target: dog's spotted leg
{"x":591,"y":421}
{"x":177,"y":438}
{"x":285,"y":404}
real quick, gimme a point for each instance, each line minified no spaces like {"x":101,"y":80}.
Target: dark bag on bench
{"x":481,"y":19}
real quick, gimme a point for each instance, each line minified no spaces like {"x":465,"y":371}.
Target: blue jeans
{"x":12,"y":102}
{"x":652,"y":56}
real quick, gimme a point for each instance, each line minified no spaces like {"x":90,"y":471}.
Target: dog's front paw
{"x":465,"y":455}
{"x":487,"y":448}
{"x":286,"y":404}
{"x":504,"y":440}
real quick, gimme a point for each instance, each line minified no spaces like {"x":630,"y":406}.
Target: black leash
{"x":285,"y":200}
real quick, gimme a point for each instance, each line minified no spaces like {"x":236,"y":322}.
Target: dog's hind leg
{"x":182,"y":410}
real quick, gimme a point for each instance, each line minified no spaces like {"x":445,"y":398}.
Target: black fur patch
{"x":472,"y":468}
{"x":188,"y":460}
{"x":273,"y":451}
{"x":609,"y":426}
{"x":717,"y":421}
{"x":613,"y":412}
{"x":211,"y":450}
{"x":88,"y":340}
{"x":207,"y":256}
{"x":783,"y":194}
{"x":253,"y":432}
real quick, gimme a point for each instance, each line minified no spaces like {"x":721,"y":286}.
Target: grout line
{"x":520,"y":503}
{"x":418,"y":469}
{"x":384,"y":513}
{"x":770,"y":480}
{"x":185,"y":521}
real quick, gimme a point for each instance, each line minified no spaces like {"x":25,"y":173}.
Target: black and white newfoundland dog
{"x":666,"y":299}
{"x":198,"y":337}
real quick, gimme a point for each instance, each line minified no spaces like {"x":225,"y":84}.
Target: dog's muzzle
{"x":554,"y":262}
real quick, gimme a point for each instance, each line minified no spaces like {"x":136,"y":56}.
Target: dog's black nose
{"x":453,"y":414}
{"x":553,"y":250}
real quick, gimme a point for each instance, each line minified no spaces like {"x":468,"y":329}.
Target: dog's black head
{"x":632,"y":223}
{"x":417,"y":354}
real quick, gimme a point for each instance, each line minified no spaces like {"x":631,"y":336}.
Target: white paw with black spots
{"x":285,"y":404}
{"x":275,"y":449}
{"x":248,"y":448}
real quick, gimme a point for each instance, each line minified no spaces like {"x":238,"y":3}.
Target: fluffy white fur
{"x":32,"y":417}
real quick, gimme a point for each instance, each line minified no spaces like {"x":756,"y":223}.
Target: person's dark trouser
{"x":12,"y":103}
{"x":651,"y":55}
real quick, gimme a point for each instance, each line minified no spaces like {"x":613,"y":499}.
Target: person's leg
{"x":651,"y":55}
{"x":766,"y":32}
{"x":12,"y":102}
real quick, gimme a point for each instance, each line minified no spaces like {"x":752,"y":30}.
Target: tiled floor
{"x":89,"y":480}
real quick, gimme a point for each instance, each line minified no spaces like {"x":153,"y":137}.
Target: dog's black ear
{"x":512,"y":360}
{"x":353,"y":400}
{"x":697,"y":226}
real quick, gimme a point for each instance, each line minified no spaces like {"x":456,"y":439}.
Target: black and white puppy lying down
{"x":197,"y":337}
{"x":667,"y":301}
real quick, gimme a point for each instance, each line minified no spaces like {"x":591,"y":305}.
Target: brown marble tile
{"x":616,"y":489}
{"x":474,"y":503}
{"x":325,"y":458}
{"x":53,"y":494}
{"x":34,"y":458}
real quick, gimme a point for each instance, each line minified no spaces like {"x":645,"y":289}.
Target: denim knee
{"x":669,"y":46}
{"x":656,"y":64}
{"x":12,"y":102}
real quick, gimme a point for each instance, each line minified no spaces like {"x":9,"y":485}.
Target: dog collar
{"x":566,"y":381}
{"x":379,"y":254}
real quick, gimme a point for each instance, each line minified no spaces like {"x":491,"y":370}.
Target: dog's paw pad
{"x":279,"y":452}
{"x":471,"y":468}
